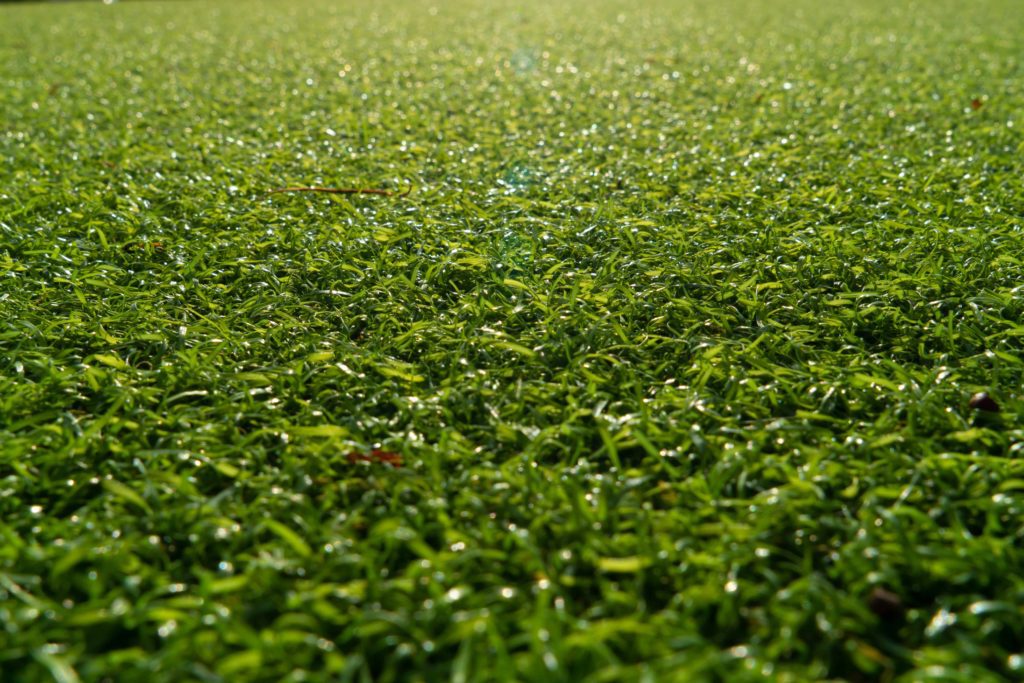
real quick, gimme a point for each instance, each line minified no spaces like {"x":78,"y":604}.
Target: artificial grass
{"x":666,"y":358}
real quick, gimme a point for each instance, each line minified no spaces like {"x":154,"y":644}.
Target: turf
{"x":660,"y":371}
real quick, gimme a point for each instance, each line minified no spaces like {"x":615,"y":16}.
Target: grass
{"x":666,"y":358}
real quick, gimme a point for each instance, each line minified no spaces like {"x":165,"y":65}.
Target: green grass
{"x":675,"y":335}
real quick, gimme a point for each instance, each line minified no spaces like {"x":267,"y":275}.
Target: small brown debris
{"x":136,"y":246}
{"x":976,"y":104}
{"x":885,"y":604}
{"x":343,"y":190}
{"x":376,"y":455}
{"x":982,"y":401}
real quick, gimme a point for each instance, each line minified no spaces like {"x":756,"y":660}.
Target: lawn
{"x":652,"y":361}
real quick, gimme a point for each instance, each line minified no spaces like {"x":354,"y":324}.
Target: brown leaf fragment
{"x":376,"y":456}
{"x":885,"y":604}
{"x":982,"y":401}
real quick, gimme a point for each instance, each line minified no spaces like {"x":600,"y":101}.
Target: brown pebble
{"x":885,"y":603}
{"x":983,"y":401}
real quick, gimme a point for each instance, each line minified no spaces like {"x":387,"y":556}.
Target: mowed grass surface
{"x":675,"y":336}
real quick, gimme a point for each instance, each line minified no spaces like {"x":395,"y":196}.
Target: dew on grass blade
{"x":941,"y":621}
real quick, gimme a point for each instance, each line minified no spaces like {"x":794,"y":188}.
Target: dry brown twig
{"x":343,"y":190}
